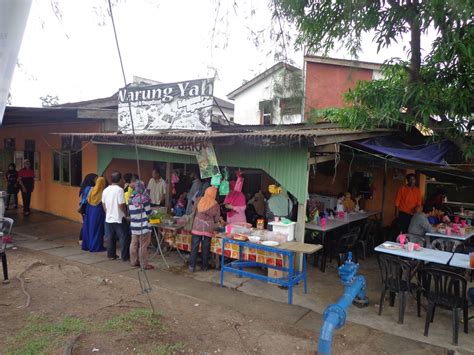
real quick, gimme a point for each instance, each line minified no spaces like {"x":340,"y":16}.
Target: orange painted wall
{"x":323,"y":184}
{"x":50,"y":196}
{"x":326,"y":83}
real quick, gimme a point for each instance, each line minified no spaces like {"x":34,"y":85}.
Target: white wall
{"x":246,"y":104}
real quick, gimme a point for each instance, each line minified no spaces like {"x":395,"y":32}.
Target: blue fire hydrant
{"x":335,"y":315}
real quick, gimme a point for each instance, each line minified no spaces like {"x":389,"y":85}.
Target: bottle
{"x":471,"y":260}
{"x":260,"y":223}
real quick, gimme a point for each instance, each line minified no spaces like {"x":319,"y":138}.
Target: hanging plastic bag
{"x":224,"y":188}
{"x":216,"y":180}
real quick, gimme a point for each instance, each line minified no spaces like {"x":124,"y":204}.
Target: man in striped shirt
{"x":139,"y":207}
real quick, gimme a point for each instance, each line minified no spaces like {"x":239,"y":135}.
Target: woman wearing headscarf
{"x":86,"y":186}
{"x":279,"y":204}
{"x":93,"y":230}
{"x":258,"y":202}
{"x":139,"y":207}
{"x":207,"y":216}
{"x":235,"y":204}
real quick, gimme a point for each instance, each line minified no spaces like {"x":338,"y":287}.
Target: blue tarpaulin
{"x":426,"y":153}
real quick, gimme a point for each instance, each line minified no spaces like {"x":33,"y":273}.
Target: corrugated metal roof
{"x":309,"y":135}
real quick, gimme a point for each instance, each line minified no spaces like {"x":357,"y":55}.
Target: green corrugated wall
{"x":287,"y":165}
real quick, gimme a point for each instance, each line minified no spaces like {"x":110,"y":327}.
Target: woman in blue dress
{"x":87,"y":184}
{"x":93,"y":230}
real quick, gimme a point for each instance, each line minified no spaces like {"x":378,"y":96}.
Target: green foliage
{"x":41,"y":336}
{"x":135,"y":318}
{"x":435,"y":91}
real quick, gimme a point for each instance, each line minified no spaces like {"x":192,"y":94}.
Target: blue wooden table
{"x":288,"y":250}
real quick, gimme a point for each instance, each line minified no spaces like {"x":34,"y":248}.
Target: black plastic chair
{"x":366,"y":237}
{"x":396,"y":277}
{"x":6,"y":225}
{"x":447,"y":290}
{"x":345,"y":244}
{"x":453,"y":246}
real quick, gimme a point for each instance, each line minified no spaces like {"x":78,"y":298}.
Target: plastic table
{"x":453,"y":236}
{"x":428,"y":255}
{"x":461,"y":261}
{"x":289,"y":249}
{"x":336,"y":223}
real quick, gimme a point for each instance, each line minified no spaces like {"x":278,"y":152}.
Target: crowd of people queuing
{"x":118,"y":212}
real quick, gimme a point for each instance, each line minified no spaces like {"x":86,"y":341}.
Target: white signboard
{"x":13,"y":16}
{"x":185,"y":105}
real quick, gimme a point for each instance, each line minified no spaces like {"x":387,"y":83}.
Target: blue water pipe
{"x":335,"y":315}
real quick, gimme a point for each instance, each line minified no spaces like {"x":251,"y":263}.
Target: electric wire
{"x":144,"y":283}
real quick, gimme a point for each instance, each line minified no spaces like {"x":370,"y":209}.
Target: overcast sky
{"x":75,"y":57}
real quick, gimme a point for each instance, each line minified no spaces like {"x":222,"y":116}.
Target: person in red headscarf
{"x":235,"y":203}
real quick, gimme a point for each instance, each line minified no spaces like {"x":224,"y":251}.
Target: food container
{"x":286,"y":229}
{"x":260,"y":223}
{"x":254,"y":238}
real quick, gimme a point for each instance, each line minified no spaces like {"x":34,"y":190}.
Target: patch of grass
{"x":37,"y":346}
{"x":135,"y":318}
{"x":40,"y":336}
{"x":165,"y":349}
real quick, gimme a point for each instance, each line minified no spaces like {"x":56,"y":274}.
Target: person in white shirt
{"x":157,"y":188}
{"x":113,"y":201}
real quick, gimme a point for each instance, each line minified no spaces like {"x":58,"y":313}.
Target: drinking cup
{"x":402,"y":238}
{"x":277,"y":219}
{"x":323,"y":222}
{"x":411,"y":246}
{"x":471,"y":260}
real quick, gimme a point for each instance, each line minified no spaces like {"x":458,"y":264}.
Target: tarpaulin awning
{"x":433,"y":153}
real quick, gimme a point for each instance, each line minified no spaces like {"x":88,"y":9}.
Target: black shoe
{"x":114,"y":257}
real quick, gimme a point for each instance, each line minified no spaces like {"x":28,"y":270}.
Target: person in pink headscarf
{"x":235,"y":203}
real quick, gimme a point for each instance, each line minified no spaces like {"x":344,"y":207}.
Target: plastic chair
{"x":6,"y":225}
{"x":396,"y":277}
{"x":450,"y":245}
{"x":345,"y":244}
{"x":447,"y":290}
{"x":366,"y":236}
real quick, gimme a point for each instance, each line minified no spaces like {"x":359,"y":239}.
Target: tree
{"x":435,"y":90}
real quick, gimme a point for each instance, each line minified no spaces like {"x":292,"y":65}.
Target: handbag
{"x":188,"y":226}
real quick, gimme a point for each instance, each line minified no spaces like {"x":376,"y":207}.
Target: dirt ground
{"x":111,"y":315}
{"x":107,"y":314}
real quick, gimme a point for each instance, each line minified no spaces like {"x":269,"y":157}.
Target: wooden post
{"x":384,"y":191}
{"x":169,"y":167}
{"x":301,"y":218}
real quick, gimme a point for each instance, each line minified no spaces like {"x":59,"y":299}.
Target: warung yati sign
{"x":184,"y":105}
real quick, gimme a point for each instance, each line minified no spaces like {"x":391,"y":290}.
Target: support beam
{"x":301,"y":218}
{"x":169,"y":168}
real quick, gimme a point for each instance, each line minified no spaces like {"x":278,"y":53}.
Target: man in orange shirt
{"x":407,"y":203}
